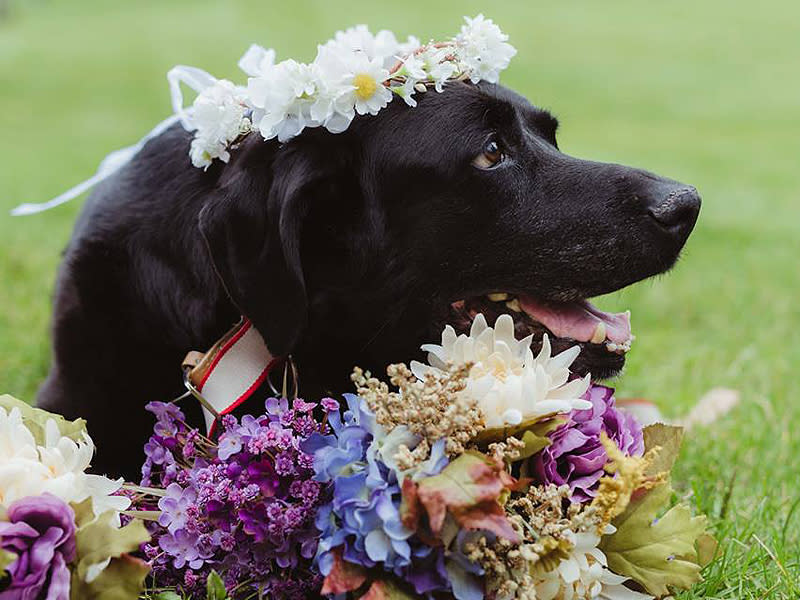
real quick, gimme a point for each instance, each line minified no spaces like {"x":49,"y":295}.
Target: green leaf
{"x":659,"y":554}
{"x":469,"y":489}
{"x":99,"y":540}
{"x":122,"y":579}
{"x":36,"y":419}
{"x":84,"y":513}
{"x":535,"y":437}
{"x":540,"y":426}
{"x":669,"y":439}
{"x":215,"y":588}
{"x":168,"y":596}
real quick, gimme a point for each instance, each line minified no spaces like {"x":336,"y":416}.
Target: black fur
{"x":342,"y":249}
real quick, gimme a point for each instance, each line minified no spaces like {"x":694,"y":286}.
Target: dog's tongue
{"x":579,"y":320}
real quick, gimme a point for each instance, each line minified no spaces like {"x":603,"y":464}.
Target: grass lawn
{"x":705,"y":92}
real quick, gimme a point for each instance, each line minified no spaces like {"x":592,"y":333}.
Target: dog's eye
{"x":491,"y":156}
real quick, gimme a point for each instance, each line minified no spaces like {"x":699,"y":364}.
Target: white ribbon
{"x":237,"y":370}
{"x":197,"y":79}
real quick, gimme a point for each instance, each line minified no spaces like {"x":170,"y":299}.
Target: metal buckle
{"x":196,"y":393}
{"x":290,"y":376}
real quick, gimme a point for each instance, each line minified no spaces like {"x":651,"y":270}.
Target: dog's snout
{"x":678,"y":209}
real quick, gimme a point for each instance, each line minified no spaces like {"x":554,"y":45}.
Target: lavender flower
{"x":175,"y":507}
{"x":576,"y":457}
{"x":244,"y":507}
{"x":40,"y":531}
{"x":184,"y":550}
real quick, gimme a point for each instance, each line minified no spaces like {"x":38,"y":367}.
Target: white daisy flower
{"x":510,"y":385}
{"x":369,"y":93}
{"x":354,"y":81}
{"x":483,"y":49}
{"x":585,"y":575}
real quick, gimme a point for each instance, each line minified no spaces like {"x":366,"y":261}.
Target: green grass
{"x":705,"y":92}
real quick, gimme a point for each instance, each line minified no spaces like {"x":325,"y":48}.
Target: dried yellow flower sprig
{"x":433,"y":408}
{"x":547,"y":530}
{"x":508,"y":451}
{"x":626,"y":475}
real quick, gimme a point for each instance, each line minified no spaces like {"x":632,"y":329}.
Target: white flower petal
{"x":509,"y":384}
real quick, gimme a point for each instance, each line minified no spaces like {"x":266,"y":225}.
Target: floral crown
{"x":355,"y":72}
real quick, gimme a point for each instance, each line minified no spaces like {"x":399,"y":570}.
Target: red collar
{"x":229,"y":373}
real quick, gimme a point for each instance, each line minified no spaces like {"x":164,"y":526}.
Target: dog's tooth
{"x":498,"y":297}
{"x":599,"y":334}
{"x":514,"y":305}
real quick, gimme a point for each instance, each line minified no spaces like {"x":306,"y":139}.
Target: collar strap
{"x":229,"y":373}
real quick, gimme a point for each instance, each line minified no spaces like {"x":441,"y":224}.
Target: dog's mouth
{"x":604,"y":337}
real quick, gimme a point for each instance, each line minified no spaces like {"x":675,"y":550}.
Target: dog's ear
{"x":252,"y":226}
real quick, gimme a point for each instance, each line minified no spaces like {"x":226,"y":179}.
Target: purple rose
{"x":576,"y":457}
{"x":40,"y":531}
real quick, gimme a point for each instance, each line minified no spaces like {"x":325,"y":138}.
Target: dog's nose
{"x":678,"y":210}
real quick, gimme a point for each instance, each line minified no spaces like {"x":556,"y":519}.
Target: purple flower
{"x":230,"y":443}
{"x":174,"y":507}
{"x":184,"y":549}
{"x":165,"y":411}
{"x":244,"y":507}
{"x":576,"y":456}
{"x":41,"y":532}
{"x":330,"y":404}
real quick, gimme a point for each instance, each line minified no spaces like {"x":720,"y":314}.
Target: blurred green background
{"x":704,"y":92}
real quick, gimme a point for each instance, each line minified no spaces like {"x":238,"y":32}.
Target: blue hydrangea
{"x":363,"y":517}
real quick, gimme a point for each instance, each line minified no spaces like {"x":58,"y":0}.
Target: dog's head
{"x":358,"y":247}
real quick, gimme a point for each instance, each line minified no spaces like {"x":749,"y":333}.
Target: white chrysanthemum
{"x":584,"y":575}
{"x":218,"y":116}
{"x":57,"y":467}
{"x":483,"y":49}
{"x":511,"y":386}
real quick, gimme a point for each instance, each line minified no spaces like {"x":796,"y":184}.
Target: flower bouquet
{"x":487,"y":473}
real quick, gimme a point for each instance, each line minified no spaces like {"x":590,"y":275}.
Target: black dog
{"x":347,"y":249}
